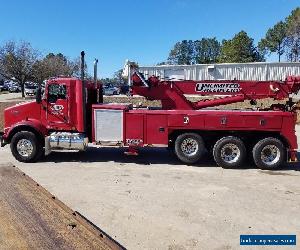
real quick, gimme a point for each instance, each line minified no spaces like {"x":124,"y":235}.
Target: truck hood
{"x":21,"y":112}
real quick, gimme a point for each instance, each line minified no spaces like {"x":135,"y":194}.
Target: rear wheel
{"x":229,"y":152}
{"x":26,"y":147}
{"x":189,"y":147}
{"x":269,"y":153}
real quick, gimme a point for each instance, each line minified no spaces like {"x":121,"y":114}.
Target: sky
{"x":141,"y":31}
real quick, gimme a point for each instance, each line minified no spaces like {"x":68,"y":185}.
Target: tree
{"x":75,"y":68}
{"x":106,"y":81}
{"x":293,"y":35}
{"x":118,"y":78}
{"x":275,"y":40}
{"x":182,"y":53}
{"x":17,"y":61}
{"x":240,"y":49}
{"x":207,"y":50}
{"x":55,"y":65}
{"x":162,"y":63}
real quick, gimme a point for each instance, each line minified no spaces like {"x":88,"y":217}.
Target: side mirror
{"x":38,"y":96}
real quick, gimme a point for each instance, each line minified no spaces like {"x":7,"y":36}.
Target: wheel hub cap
{"x":230,"y":153}
{"x":189,"y":146}
{"x":270,"y":154}
{"x":24,"y":147}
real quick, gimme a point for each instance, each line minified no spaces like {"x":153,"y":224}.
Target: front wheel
{"x":25,"y":147}
{"x":189,"y":147}
{"x":229,"y":152}
{"x":269,"y":153}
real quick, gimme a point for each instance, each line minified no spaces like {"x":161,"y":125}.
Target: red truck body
{"x":61,"y":121}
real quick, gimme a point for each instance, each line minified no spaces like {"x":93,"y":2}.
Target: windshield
{"x":56,"y":91}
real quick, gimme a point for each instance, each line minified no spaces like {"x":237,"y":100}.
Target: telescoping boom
{"x":172,"y":93}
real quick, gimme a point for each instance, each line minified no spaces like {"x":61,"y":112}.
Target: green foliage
{"x":117,"y":80}
{"x":275,"y":40}
{"x":162,"y":63}
{"x":55,"y":65}
{"x":207,"y":50}
{"x":182,"y":53}
{"x":188,"y":52}
{"x":293,"y":35}
{"x":240,"y":49}
{"x":284,"y":38}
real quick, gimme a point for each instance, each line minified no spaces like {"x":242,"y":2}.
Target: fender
{"x":29,"y":125}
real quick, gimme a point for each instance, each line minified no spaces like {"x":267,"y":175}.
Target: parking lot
{"x":154,"y":202}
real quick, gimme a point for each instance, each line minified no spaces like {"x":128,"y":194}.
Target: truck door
{"x":57,"y":111}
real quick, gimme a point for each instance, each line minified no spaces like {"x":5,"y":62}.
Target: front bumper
{"x":30,"y":93}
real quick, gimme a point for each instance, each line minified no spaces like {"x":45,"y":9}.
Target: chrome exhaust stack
{"x":95,"y":71}
{"x":83,"y":91}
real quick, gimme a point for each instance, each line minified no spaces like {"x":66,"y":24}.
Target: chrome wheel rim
{"x":189,"y":146}
{"x":230,"y":153}
{"x":270,"y":154}
{"x":24,"y":147}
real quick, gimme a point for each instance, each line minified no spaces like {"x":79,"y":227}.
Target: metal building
{"x":260,"y":71}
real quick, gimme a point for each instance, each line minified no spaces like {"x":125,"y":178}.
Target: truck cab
{"x":63,"y":109}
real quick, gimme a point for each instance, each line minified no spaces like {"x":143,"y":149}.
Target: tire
{"x":26,"y":140}
{"x":269,"y":153}
{"x":189,"y":142}
{"x":229,"y":152}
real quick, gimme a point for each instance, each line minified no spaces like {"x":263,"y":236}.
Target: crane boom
{"x":172,"y":93}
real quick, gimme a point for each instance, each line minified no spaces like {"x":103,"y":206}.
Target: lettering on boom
{"x":218,"y":87}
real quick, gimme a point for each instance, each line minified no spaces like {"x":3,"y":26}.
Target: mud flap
{"x":292,"y":156}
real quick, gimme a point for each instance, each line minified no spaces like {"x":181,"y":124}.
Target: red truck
{"x":71,"y":114}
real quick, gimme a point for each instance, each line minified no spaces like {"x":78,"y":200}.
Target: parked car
{"x":111,"y":91}
{"x":4,"y":86}
{"x":30,"y":90}
{"x":15,"y":88}
{"x":9,"y":83}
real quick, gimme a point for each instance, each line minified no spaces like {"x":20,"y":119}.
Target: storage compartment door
{"x":108,"y":125}
{"x":157,"y":129}
{"x":134,"y":129}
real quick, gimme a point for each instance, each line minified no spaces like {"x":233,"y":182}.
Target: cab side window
{"x":56,"y":92}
